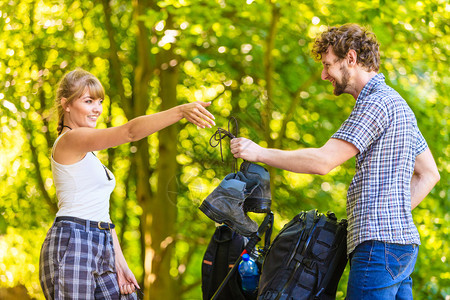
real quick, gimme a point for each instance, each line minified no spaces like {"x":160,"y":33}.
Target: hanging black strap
{"x":220,"y":134}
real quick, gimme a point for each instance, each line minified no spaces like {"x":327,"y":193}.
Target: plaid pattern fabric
{"x":77,"y":262}
{"x":384,"y":129}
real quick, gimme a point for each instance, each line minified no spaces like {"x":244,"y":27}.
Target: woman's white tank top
{"x":83,"y":188}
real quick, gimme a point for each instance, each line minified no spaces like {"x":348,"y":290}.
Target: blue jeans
{"x":381,"y":270}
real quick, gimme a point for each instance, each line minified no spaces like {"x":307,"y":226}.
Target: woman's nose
{"x":98,"y":107}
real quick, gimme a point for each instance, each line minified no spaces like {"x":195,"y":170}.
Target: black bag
{"x":223,"y":251}
{"x":306,"y":259}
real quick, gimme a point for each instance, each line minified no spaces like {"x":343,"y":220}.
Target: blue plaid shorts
{"x":77,"y":262}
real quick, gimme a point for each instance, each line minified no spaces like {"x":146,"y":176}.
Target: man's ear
{"x":64,"y":104}
{"x":352,"y":57}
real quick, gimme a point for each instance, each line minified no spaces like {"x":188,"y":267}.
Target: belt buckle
{"x":99,"y":225}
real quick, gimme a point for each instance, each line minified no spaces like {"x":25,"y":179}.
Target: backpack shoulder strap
{"x":341,"y":245}
{"x":222,"y":252}
{"x":216,"y":255}
{"x":310,"y":225}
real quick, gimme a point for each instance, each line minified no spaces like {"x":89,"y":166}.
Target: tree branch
{"x":294,"y":104}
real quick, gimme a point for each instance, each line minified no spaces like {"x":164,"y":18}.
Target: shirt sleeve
{"x":366,"y":124}
{"x":421,"y":143}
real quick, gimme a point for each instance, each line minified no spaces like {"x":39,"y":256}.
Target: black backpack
{"x":223,"y":251}
{"x":306,"y":259}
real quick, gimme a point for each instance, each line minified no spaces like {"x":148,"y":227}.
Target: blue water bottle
{"x":249,"y":274}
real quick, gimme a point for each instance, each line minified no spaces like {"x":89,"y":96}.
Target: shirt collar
{"x":370,"y":86}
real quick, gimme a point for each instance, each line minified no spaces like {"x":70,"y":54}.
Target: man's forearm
{"x":306,"y":161}
{"x":420,"y":187}
{"x":425,"y":177}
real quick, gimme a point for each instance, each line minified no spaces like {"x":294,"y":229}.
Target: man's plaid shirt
{"x":384,"y":129}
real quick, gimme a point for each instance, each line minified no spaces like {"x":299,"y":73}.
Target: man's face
{"x":335,"y":71}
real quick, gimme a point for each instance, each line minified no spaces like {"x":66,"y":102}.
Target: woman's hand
{"x":245,"y":149}
{"x":197,"y":114}
{"x":125,"y":278}
{"x":127,"y":281}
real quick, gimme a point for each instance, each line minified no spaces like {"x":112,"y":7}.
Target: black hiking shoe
{"x":225,"y":205}
{"x":257,"y":178}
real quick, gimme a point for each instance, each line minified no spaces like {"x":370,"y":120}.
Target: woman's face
{"x":84,"y":111}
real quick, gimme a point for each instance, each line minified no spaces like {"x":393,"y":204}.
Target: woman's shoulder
{"x":61,"y":153}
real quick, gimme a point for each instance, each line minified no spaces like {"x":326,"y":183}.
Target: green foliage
{"x":224,"y":54}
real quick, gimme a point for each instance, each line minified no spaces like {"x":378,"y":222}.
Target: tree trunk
{"x":164,"y":209}
{"x":268,"y":73}
{"x":266,"y":112}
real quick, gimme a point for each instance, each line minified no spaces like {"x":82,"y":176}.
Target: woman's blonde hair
{"x":72,"y":86}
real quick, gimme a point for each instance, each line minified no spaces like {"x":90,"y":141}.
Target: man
{"x":394,"y":167}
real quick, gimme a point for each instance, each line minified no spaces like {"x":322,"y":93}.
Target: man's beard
{"x":340,"y":87}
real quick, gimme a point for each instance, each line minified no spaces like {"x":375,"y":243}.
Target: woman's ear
{"x":64,"y":104}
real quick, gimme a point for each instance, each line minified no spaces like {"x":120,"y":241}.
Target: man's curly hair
{"x":346,"y":37}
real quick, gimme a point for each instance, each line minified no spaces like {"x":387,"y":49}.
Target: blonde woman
{"x":81,"y":257}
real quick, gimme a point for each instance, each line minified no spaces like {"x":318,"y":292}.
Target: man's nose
{"x":324,"y":75}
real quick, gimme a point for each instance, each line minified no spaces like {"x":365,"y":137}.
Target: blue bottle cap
{"x":246,"y":257}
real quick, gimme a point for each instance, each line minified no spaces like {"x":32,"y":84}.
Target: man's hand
{"x":245,"y":149}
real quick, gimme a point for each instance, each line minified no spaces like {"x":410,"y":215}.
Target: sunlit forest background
{"x":252,"y":60}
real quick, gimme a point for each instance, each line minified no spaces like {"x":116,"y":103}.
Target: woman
{"x":81,"y":256}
